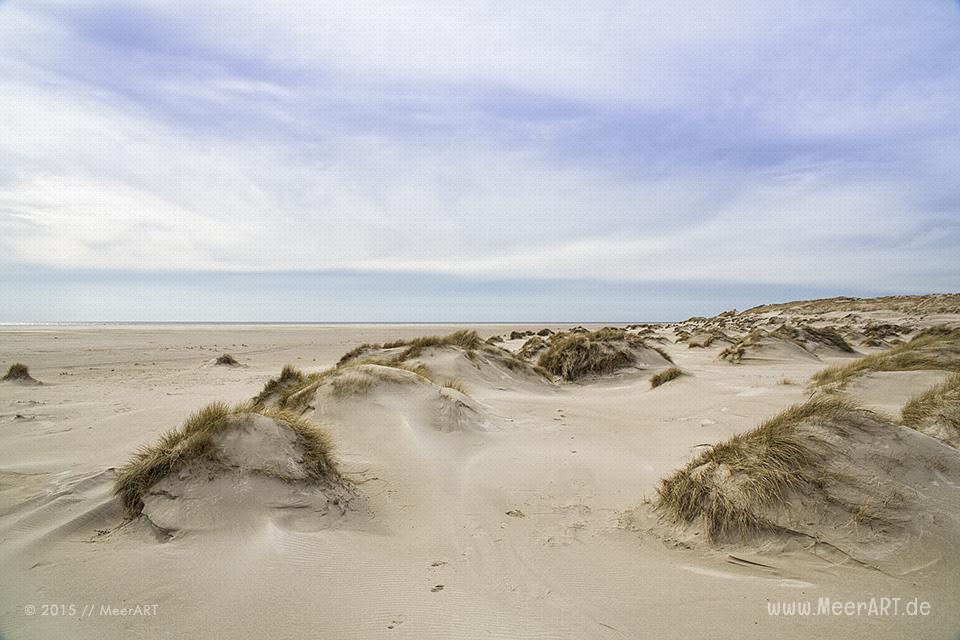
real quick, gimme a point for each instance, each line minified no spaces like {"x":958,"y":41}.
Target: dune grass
{"x":289,"y":376}
{"x":801,"y":336}
{"x":352,"y":383}
{"x":575,"y":355}
{"x":194,"y":440}
{"x":730,"y":487}
{"x":356,"y":352}
{"x":704,"y":340}
{"x":665,"y":376}
{"x":936,"y":411}
{"x":532,"y":347}
{"x":936,"y":348}
{"x":465,"y":339}
{"x":18,"y":371}
{"x":226,"y":359}
{"x":456,"y":385}
{"x":293,"y":388}
{"x":804,"y":333}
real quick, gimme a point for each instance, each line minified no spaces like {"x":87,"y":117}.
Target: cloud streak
{"x":807,"y":145}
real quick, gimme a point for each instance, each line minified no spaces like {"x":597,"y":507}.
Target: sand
{"x":526,"y":518}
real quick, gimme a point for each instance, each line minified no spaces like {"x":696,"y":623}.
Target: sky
{"x":465,"y":161}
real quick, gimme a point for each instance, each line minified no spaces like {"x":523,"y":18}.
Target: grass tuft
{"x":227,"y":359}
{"x":665,"y":376}
{"x":464,"y":339}
{"x":289,"y":376}
{"x":936,"y":348}
{"x":575,"y":355}
{"x":532,"y":347}
{"x":731,"y":487}
{"x":18,"y":371}
{"x":195,"y":441}
{"x":456,"y":385}
{"x":352,"y":383}
{"x":936,"y":412}
{"x":356,"y":352}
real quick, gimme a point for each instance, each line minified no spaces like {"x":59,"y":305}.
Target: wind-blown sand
{"x":515,"y":510}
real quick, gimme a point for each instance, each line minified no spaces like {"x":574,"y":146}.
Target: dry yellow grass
{"x":464,"y":339}
{"x":936,"y":412}
{"x":194,"y":441}
{"x":575,"y":355}
{"x":937,"y":348}
{"x":352,"y":383}
{"x":18,"y":371}
{"x":665,"y":376}
{"x":456,"y":385}
{"x":532,"y":347}
{"x":934,"y":303}
{"x":730,"y":487}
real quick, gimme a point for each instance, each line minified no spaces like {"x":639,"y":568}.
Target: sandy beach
{"x":527,"y":513}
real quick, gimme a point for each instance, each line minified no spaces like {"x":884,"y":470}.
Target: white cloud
{"x":162,"y":178}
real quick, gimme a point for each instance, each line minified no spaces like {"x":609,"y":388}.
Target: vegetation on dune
{"x":575,"y":355}
{"x":289,"y":376}
{"x":226,"y":359}
{"x":356,"y":352}
{"x":934,"y":303}
{"x":195,"y":441}
{"x":703,"y":341}
{"x":731,"y":488}
{"x":456,"y":385}
{"x":352,"y":383}
{"x":465,"y":339}
{"x":292,"y":390}
{"x":936,"y":348}
{"x":665,"y":376}
{"x":804,"y":336}
{"x":18,"y":371}
{"x":532,"y":347}
{"x":735,"y":352}
{"x":936,"y":412}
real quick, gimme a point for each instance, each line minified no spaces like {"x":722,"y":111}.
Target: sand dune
{"x":475,"y":494}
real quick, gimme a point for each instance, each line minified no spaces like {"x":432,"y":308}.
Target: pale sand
{"x":431,"y":509}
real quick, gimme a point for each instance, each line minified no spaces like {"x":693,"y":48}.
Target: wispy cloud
{"x":807,"y":144}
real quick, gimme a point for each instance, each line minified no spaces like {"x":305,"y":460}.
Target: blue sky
{"x":464,"y":161}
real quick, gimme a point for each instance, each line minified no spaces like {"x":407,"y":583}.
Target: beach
{"x":532,"y":520}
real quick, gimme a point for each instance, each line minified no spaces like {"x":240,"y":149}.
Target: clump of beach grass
{"x":465,"y":339}
{"x":18,"y":372}
{"x":352,"y":383}
{"x":532,"y":347}
{"x":227,"y":360}
{"x":936,"y":348}
{"x":195,"y":441}
{"x":731,"y":488}
{"x":289,"y":376}
{"x":936,"y":411}
{"x":356,"y":352}
{"x":575,"y":355}
{"x":456,"y":385}
{"x":665,"y":376}
{"x":293,"y":389}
